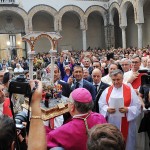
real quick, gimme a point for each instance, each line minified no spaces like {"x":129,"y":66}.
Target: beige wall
{"x":43,"y":22}
{"x":131,"y":33}
{"x":71,"y":32}
{"x":95,"y":32}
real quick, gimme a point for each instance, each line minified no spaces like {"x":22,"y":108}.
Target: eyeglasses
{"x":135,"y":62}
{"x":124,"y":64}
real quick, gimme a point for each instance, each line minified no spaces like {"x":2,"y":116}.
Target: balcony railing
{"x":8,"y":2}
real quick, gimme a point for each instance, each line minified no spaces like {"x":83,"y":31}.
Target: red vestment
{"x":127,"y":101}
{"x":137,"y":82}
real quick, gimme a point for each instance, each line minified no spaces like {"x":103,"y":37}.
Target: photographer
{"x":36,"y":140}
{"x":144,"y":93}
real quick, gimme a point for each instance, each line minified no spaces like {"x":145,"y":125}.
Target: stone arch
{"x":43,"y":8}
{"x":99,"y":9}
{"x":18,"y":11}
{"x":46,"y":36}
{"x":112,"y":8}
{"x":78,"y":11}
{"x":123,"y":9}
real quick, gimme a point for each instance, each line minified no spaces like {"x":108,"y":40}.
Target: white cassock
{"x":133,"y":111}
{"x":107,"y":79}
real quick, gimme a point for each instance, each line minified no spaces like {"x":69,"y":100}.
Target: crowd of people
{"x":105,"y":95}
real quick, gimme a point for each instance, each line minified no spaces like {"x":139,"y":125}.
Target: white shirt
{"x":98,"y":85}
{"x":18,"y":69}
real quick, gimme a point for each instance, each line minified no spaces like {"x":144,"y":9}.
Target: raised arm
{"x":37,"y":135}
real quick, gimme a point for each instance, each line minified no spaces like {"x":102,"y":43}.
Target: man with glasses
{"x":125,"y":64}
{"x":133,"y":76}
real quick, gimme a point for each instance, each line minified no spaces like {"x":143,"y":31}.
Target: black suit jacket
{"x":89,"y":86}
{"x":102,"y":87}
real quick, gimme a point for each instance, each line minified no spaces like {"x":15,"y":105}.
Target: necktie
{"x":96,"y":87}
{"x":77,"y":85}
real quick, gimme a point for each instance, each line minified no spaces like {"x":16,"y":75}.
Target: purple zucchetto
{"x":81,"y":95}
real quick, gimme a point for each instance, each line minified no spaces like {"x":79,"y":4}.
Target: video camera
{"x":20,"y":85}
{"x":145,"y":79}
{"x":145,"y":86}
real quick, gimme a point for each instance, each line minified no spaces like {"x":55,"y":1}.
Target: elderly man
{"x":125,"y":64}
{"x":87,"y":63}
{"x":123,"y":115}
{"x":85,"y":73}
{"x":107,"y":78}
{"x":74,"y":134}
{"x":18,"y":68}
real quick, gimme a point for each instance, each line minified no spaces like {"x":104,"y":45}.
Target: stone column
{"x":123,"y":28}
{"x":31,"y":57}
{"x":27,"y":27}
{"x":109,"y":36}
{"x":140,"y":35}
{"x":84,"y":39}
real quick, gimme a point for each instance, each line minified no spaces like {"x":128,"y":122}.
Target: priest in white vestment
{"x":122,"y":113}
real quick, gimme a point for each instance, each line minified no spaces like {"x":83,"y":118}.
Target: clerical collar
{"x":118,"y":88}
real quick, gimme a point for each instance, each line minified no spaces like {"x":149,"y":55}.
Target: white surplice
{"x":133,"y":111}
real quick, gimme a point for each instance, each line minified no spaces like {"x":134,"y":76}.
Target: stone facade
{"x":85,"y":17}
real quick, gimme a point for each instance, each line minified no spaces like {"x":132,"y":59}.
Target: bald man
{"x":100,"y":86}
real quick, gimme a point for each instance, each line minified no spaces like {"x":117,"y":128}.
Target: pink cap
{"x":81,"y":95}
